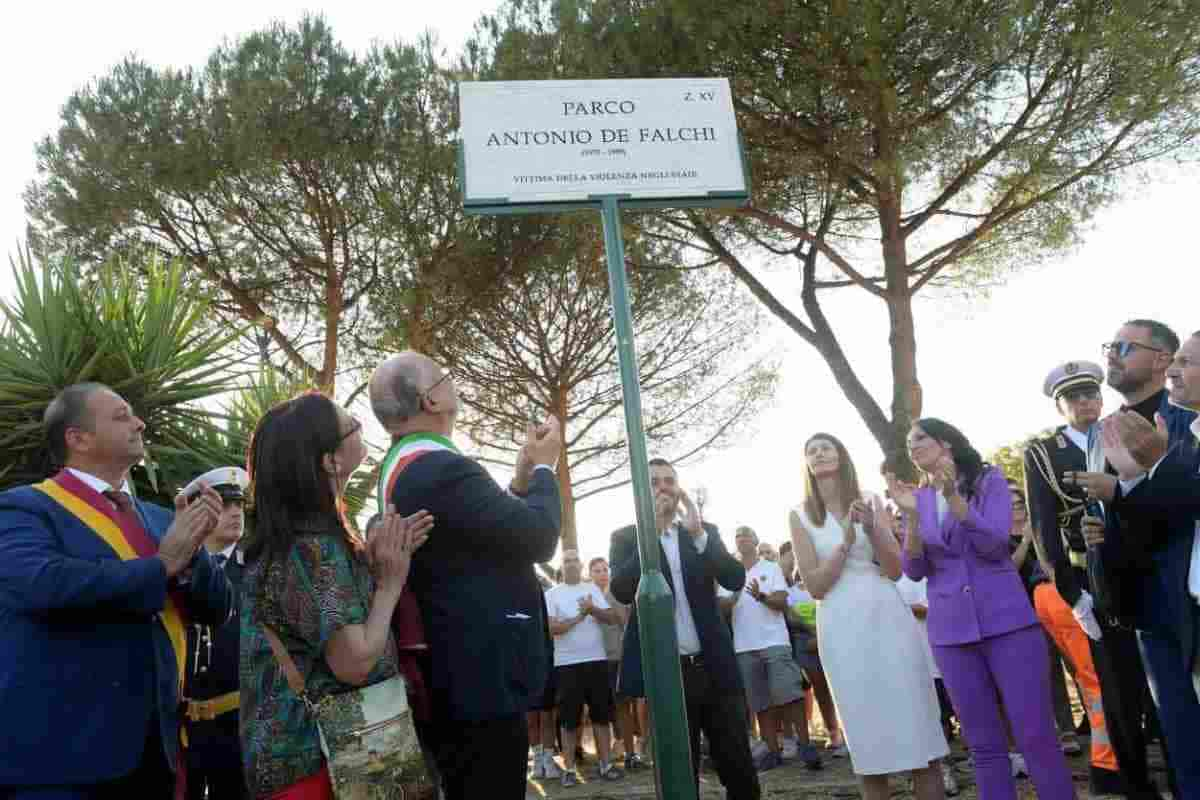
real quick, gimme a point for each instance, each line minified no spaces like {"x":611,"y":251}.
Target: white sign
{"x":563,"y":141}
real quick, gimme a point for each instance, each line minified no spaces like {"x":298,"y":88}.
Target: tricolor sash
{"x":403,"y":452}
{"x":127,"y":539}
{"x":407,"y":625}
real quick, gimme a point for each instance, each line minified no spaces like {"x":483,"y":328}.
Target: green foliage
{"x":893,"y":146}
{"x":308,"y":186}
{"x":136,"y":328}
{"x":1010,"y":458}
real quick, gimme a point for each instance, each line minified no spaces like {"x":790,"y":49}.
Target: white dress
{"x":875,"y":662}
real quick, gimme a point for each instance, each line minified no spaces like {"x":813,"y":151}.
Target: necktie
{"x":121,"y":500}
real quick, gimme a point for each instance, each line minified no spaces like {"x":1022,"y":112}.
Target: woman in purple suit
{"x":985,"y":636}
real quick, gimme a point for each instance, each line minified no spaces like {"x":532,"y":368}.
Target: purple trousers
{"x":1011,"y":666}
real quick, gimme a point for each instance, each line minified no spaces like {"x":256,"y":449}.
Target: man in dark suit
{"x":479,"y":598}
{"x":693,"y":558}
{"x":1158,"y":464}
{"x":211,"y":690}
{"x":1134,"y":565}
{"x":96,"y":589}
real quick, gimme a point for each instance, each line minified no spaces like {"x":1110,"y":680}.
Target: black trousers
{"x":221,"y":784}
{"x":481,"y":759}
{"x":152,"y":780}
{"x":1123,"y":695}
{"x":722,"y":717}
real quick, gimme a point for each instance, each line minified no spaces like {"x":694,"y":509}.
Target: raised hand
{"x":692,"y":522}
{"x":864,"y":515}
{"x":903,"y":494}
{"x":393,"y":544}
{"x":586,"y":605}
{"x":1145,"y":443}
{"x":544,"y":444}
{"x":193,"y":522}
{"x":945,"y":477}
{"x":1096,"y":485}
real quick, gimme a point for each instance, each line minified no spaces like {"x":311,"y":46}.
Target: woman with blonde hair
{"x":870,"y":644}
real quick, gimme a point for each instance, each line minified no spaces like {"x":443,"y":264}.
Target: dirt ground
{"x":793,"y":782}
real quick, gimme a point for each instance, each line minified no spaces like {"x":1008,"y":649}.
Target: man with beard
{"x":1152,"y":516}
{"x":694,"y":557}
{"x":1065,"y":607}
{"x":1120,"y":567}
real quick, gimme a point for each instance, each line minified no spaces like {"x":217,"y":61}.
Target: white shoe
{"x":758,"y":749}
{"x":550,"y":766}
{"x":791,"y":747}
{"x":539,"y":766}
{"x":1019,"y":769}
{"x":949,"y":782}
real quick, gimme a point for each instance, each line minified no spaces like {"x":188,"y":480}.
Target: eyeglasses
{"x":437,"y":383}
{"x":1075,"y":395}
{"x":355,"y":427}
{"x":1122,"y":348}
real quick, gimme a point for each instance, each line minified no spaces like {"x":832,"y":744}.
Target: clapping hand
{"x":193,"y":522}
{"x":904,"y":495}
{"x":586,"y":605}
{"x":390,"y":550}
{"x":1131,"y":444}
{"x":945,"y":477}
{"x":691,"y":514}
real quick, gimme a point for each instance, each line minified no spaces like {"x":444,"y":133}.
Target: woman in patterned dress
{"x":329,"y":597}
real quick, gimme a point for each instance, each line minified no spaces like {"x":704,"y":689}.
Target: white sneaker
{"x":539,"y":768}
{"x":791,"y":747}
{"x":758,"y":749}
{"x":949,"y":782}
{"x":1018,"y":765}
{"x":550,"y":766}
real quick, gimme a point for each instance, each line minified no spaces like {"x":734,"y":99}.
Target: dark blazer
{"x":213,"y":672}
{"x":699,"y":572}
{"x":1165,"y":509}
{"x":84,"y":663}
{"x":1056,"y":535}
{"x":474,"y":580}
{"x":1132,"y":554}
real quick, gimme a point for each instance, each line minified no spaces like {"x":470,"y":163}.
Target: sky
{"x":981,"y":363}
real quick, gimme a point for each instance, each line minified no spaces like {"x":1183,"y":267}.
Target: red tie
{"x":121,"y":500}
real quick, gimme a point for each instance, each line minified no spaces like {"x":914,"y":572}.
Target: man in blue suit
{"x":693,"y":557}
{"x":95,"y":591}
{"x":1145,"y":548}
{"x":484,"y":616}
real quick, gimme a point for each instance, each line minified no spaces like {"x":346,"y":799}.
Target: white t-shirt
{"x":757,"y":626}
{"x":584,"y":642}
{"x":915,"y":593}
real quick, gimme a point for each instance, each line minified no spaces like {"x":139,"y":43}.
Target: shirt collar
{"x":99,"y":485}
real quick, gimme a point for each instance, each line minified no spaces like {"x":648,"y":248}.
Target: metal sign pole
{"x":655,"y":605}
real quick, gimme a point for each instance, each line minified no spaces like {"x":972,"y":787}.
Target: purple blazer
{"x":974,"y":589}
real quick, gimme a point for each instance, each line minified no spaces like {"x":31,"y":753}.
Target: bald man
{"x":484,"y":615}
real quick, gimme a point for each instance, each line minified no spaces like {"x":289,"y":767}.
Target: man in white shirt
{"x":774,"y":682}
{"x":576,"y":610}
{"x":692,"y":557}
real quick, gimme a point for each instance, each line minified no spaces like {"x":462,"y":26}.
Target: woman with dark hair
{"x":985,"y":636}
{"x":870,"y":644}
{"x":312,"y":581}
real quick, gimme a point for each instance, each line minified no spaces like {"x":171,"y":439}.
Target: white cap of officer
{"x":229,"y":482}
{"x":1072,"y":375}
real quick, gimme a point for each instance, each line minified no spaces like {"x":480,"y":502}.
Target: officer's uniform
{"x":1107,"y":670}
{"x":213,"y":754}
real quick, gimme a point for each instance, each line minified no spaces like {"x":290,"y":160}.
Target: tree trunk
{"x":902,"y":340}
{"x":570,"y":536}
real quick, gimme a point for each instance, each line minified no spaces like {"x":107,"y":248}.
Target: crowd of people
{"x":166,"y":654}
